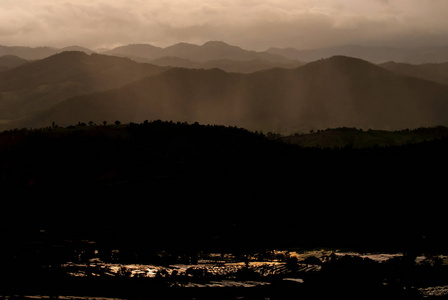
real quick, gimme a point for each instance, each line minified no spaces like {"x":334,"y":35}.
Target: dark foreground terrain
{"x":251,"y":275}
{"x":139,"y":190}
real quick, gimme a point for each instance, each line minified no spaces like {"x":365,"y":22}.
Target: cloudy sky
{"x":251,"y":24}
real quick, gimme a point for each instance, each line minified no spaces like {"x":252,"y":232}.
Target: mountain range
{"x":373,"y":54}
{"x":179,"y":159}
{"x":10,"y":61}
{"x":437,"y":72}
{"x":213,"y":50}
{"x":218,"y":50}
{"x":228,"y":65}
{"x":217,"y":83}
{"x":334,"y":92}
{"x":34,"y":87}
{"x":210,"y":55}
{"x":33,"y":53}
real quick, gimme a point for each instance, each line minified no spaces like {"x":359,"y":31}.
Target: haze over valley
{"x":217,"y":83}
{"x":223,"y":149}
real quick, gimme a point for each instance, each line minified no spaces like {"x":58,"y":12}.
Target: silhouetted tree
{"x":292,"y":263}
{"x":312,"y":260}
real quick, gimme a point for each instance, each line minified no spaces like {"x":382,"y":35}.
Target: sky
{"x":250,"y":24}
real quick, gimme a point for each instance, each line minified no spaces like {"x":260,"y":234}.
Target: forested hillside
{"x":335,"y":92}
{"x":34,"y":87}
{"x":360,"y":139}
{"x":192,"y":177}
{"x":432,"y":72}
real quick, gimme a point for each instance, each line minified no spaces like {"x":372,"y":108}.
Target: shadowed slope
{"x":11,"y":61}
{"x":174,"y":181}
{"x":39,"y":85}
{"x":433,"y":72}
{"x":336,"y":92}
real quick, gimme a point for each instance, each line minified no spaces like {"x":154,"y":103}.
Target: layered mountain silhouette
{"x":247,"y":66}
{"x":10,"y":61}
{"x":35,"y":53}
{"x":218,"y":50}
{"x":209,"y":55}
{"x":27,"y":52}
{"x":372,"y":54}
{"x":433,"y":72}
{"x":213,"y":50}
{"x":39,"y":85}
{"x":335,"y":92}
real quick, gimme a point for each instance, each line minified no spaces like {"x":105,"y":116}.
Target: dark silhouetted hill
{"x":10,"y":61}
{"x":227,"y":65}
{"x":359,"y":139}
{"x":433,"y":72}
{"x":42,"y":84}
{"x":76,"y":48}
{"x":84,"y":199}
{"x":335,"y":92}
{"x":173,"y":184}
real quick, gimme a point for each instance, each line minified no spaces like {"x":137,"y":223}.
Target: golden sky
{"x":251,"y":24}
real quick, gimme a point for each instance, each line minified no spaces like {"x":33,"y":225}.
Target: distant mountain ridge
{"x":10,"y":61}
{"x":218,"y":50}
{"x":247,"y":66}
{"x":39,"y":85}
{"x":210,"y":55}
{"x":433,"y":72}
{"x":28,"y":53}
{"x":330,"y":93}
{"x":213,"y":50}
{"x":138,"y":52}
{"x":372,"y":54}
{"x":34,"y":53}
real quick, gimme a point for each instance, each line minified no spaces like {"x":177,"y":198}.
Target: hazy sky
{"x":251,"y":24}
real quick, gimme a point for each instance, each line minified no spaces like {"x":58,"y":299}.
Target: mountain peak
{"x":342,"y":60}
{"x":76,"y":48}
{"x":182,"y":44}
{"x":215,"y":44}
{"x":141,"y":50}
{"x":345,"y":66}
{"x":68,"y":55}
{"x":137,"y":46}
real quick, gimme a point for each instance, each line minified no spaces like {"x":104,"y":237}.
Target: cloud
{"x":249,"y":23}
